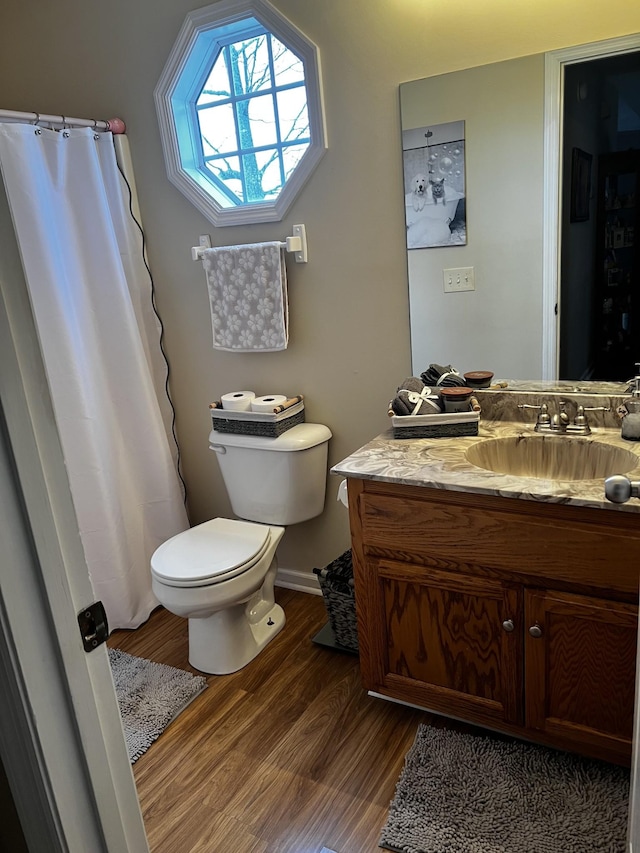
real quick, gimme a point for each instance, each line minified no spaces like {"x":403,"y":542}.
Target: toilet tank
{"x":275,"y":480}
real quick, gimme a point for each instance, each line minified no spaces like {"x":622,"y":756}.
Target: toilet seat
{"x":210,"y":552}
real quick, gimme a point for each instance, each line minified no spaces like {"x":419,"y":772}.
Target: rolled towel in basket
{"x":414,"y":398}
{"x":442,"y":376}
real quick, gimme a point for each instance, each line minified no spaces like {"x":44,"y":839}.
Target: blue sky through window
{"x":240,"y":112}
{"x":253,"y":118}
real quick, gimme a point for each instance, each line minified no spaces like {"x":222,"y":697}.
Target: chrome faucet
{"x":560,"y":421}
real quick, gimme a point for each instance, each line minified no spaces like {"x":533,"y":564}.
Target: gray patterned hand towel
{"x":248,"y":297}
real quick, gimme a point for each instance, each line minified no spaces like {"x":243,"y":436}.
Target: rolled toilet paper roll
{"x":238,"y":401}
{"x":267,"y":403}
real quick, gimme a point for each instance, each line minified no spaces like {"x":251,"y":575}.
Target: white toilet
{"x":220,"y":575}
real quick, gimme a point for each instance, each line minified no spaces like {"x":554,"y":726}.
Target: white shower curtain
{"x":91,"y":299}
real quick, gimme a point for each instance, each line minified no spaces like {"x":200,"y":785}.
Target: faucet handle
{"x":582,"y":409}
{"x":580,"y":419}
{"x":543,"y":413}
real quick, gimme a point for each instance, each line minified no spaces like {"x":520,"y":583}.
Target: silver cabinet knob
{"x":508,"y":625}
{"x":535,"y":630}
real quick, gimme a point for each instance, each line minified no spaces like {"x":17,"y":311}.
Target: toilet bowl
{"x":220,"y":574}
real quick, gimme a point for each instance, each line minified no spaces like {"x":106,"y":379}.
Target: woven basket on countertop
{"x":336,"y":584}
{"x":443,"y":425}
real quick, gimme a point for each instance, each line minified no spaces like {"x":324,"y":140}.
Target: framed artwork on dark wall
{"x":580,"y":185}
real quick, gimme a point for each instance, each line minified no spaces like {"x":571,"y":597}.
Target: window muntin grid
{"x":253,"y":118}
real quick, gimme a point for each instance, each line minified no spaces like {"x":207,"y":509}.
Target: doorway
{"x":599,"y":277}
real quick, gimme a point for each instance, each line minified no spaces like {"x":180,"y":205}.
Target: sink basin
{"x":551,"y":457}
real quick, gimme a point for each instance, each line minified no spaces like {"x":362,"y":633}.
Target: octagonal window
{"x":240,"y":112}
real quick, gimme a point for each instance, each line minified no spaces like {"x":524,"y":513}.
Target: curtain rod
{"x":115,"y":125}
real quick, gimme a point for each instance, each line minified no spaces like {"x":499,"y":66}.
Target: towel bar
{"x":297,"y":244}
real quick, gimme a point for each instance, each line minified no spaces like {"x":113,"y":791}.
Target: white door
{"x":61,"y":736}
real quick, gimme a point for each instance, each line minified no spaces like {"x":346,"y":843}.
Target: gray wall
{"x":349,"y":306}
{"x":497,"y":326}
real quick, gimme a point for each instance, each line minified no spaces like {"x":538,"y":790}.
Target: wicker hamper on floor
{"x":336,"y":583}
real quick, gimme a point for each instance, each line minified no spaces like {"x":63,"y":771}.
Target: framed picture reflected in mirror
{"x":580,"y":185}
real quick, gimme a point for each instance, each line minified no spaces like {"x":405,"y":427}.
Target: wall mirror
{"x":551,"y":172}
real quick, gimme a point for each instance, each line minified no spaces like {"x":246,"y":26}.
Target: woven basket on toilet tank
{"x":264,"y":424}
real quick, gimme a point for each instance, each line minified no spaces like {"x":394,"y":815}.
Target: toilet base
{"x":229,"y":639}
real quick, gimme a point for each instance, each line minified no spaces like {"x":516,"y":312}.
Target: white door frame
{"x":553,"y":110}
{"x":552,"y":198}
{"x":61,"y":729}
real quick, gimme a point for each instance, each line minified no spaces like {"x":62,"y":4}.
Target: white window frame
{"x":178,"y":123}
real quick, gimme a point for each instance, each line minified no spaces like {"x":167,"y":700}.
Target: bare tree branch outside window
{"x":254,"y":169}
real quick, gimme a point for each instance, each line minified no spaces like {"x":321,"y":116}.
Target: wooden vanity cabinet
{"x":516,"y":615}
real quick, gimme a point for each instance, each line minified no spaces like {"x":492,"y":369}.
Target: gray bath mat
{"x":150,"y":696}
{"x":461,"y":793}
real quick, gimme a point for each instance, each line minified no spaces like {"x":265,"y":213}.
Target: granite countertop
{"x":440,"y":463}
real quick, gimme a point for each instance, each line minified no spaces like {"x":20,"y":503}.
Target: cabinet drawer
{"x":551,"y":541}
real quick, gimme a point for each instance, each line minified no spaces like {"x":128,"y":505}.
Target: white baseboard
{"x":296,"y":579}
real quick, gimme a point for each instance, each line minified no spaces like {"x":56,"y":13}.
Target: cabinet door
{"x":453,"y":642}
{"x":580,"y":667}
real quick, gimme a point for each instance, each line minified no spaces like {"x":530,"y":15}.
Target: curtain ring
{"x":37,"y":119}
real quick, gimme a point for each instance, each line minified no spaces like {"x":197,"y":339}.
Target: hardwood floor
{"x":289,"y":755}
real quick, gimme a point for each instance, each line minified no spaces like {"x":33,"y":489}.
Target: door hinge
{"x":94,"y":628}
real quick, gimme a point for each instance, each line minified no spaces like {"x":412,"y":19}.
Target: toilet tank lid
{"x":300,"y":437}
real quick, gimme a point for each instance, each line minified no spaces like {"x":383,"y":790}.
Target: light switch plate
{"x":460,"y":278}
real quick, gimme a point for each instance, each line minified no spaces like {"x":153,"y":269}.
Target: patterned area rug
{"x":461,"y":793}
{"x":150,"y":696}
